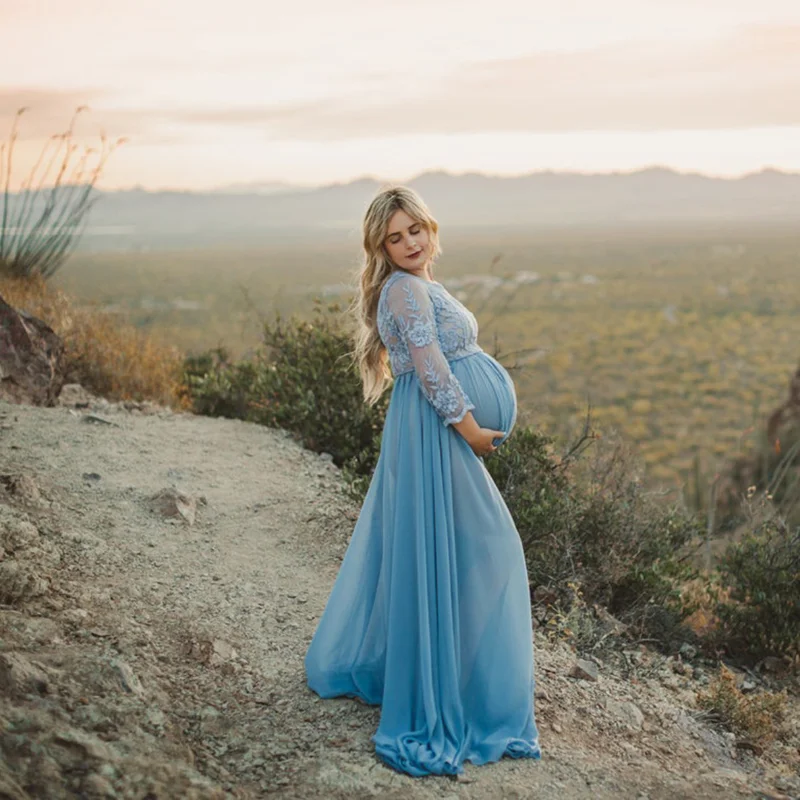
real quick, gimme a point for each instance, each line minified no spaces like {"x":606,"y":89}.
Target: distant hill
{"x":138,"y":218}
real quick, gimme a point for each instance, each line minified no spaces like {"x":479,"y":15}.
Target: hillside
{"x":142,"y":652}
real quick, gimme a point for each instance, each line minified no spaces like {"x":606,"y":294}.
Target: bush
{"x":215,"y":386}
{"x":103,"y":353}
{"x":302,"y":381}
{"x":754,"y":717}
{"x":760,"y":612}
{"x":599,"y":530}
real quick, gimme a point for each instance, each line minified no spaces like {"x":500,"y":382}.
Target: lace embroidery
{"x":423,"y":326}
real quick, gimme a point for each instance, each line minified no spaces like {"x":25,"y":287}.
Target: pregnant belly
{"x":491,"y":389}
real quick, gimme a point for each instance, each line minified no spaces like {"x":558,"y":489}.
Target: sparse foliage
{"x":41,"y":223}
{"x":754,"y":717}
{"x":760,"y":609}
{"x":303,"y":381}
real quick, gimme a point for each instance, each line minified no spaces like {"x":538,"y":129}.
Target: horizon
{"x":315,"y":95}
{"x":242,"y":188}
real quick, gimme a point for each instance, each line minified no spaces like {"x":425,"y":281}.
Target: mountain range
{"x":137,"y":217}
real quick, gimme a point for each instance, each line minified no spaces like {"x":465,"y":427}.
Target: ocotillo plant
{"x":40,"y":224}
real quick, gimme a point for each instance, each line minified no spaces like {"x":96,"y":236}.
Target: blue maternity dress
{"x":429,"y":615}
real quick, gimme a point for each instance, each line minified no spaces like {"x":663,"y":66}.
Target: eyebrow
{"x":393,"y":233}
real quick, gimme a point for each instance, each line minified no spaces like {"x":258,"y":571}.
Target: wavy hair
{"x":369,"y":353}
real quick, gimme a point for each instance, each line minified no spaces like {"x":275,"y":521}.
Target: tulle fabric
{"x":429,"y":615}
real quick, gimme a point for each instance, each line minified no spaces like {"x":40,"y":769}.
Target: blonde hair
{"x":369,"y":353}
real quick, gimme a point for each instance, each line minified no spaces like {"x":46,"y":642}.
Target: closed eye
{"x":395,"y":237}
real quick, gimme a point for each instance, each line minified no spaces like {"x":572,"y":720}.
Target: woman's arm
{"x":411,"y":308}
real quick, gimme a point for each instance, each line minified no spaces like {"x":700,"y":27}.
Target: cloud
{"x":50,"y":112}
{"x":47,"y":111}
{"x":748,"y":79}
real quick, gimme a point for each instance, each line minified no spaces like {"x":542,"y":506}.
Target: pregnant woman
{"x":429,"y":615}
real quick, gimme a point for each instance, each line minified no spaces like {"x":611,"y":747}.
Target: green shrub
{"x":593,"y":524}
{"x":760,"y":607}
{"x":218,"y":387}
{"x":303,"y":381}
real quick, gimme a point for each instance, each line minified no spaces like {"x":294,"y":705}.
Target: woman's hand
{"x":479,"y":439}
{"x":483,"y":442}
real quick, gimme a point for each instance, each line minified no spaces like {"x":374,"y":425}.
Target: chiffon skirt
{"x":429,"y":615}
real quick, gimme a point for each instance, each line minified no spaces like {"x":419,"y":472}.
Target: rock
{"x":172,"y":503}
{"x":32,"y":630}
{"x":94,"y":419}
{"x":156,"y":717}
{"x":626,"y":712}
{"x":20,"y":676}
{"x":687,"y":651}
{"x":772,"y":665}
{"x":95,"y":785}
{"x":31,"y":359}
{"x":585,"y":670}
{"x":19,"y":583}
{"x":77,"y":746}
{"x":17,"y":535}
{"x":127,"y":677}
{"x":23,"y":488}
{"x":748,"y":685}
{"x":610,"y":623}
{"x":214,"y":652}
{"x":74,"y":395}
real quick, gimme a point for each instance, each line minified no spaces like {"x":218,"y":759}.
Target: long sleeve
{"x":411,"y":308}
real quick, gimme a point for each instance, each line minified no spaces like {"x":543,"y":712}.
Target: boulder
{"x":31,"y":359}
{"x":584,"y":670}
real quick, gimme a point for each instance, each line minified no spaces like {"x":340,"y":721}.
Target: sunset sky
{"x":315,"y":91}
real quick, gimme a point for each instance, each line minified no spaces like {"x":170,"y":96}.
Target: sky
{"x":311,"y":92}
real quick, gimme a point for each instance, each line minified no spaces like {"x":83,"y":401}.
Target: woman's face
{"x":408,"y":243}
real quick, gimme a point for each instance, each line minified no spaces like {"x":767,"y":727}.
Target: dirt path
{"x":205,"y":626}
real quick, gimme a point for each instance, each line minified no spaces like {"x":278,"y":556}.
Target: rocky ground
{"x":161,"y":575}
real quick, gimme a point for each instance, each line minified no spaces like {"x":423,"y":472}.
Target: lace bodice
{"x":424,"y":328}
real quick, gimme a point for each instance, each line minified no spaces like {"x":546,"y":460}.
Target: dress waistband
{"x":472,"y":352}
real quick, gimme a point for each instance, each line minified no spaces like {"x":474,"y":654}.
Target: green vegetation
{"x":682,"y":345}
{"x":590,"y":531}
{"x":586,"y":522}
{"x":303,"y":381}
{"x":760,"y":575}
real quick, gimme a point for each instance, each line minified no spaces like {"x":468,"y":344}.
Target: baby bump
{"x":491,"y":389}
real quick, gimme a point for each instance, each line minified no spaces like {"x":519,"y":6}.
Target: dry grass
{"x":105,"y":354}
{"x":752,"y":717}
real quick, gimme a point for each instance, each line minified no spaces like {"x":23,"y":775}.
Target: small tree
{"x":41,"y":224}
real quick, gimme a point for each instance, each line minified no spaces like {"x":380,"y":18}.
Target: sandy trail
{"x":214,"y":619}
